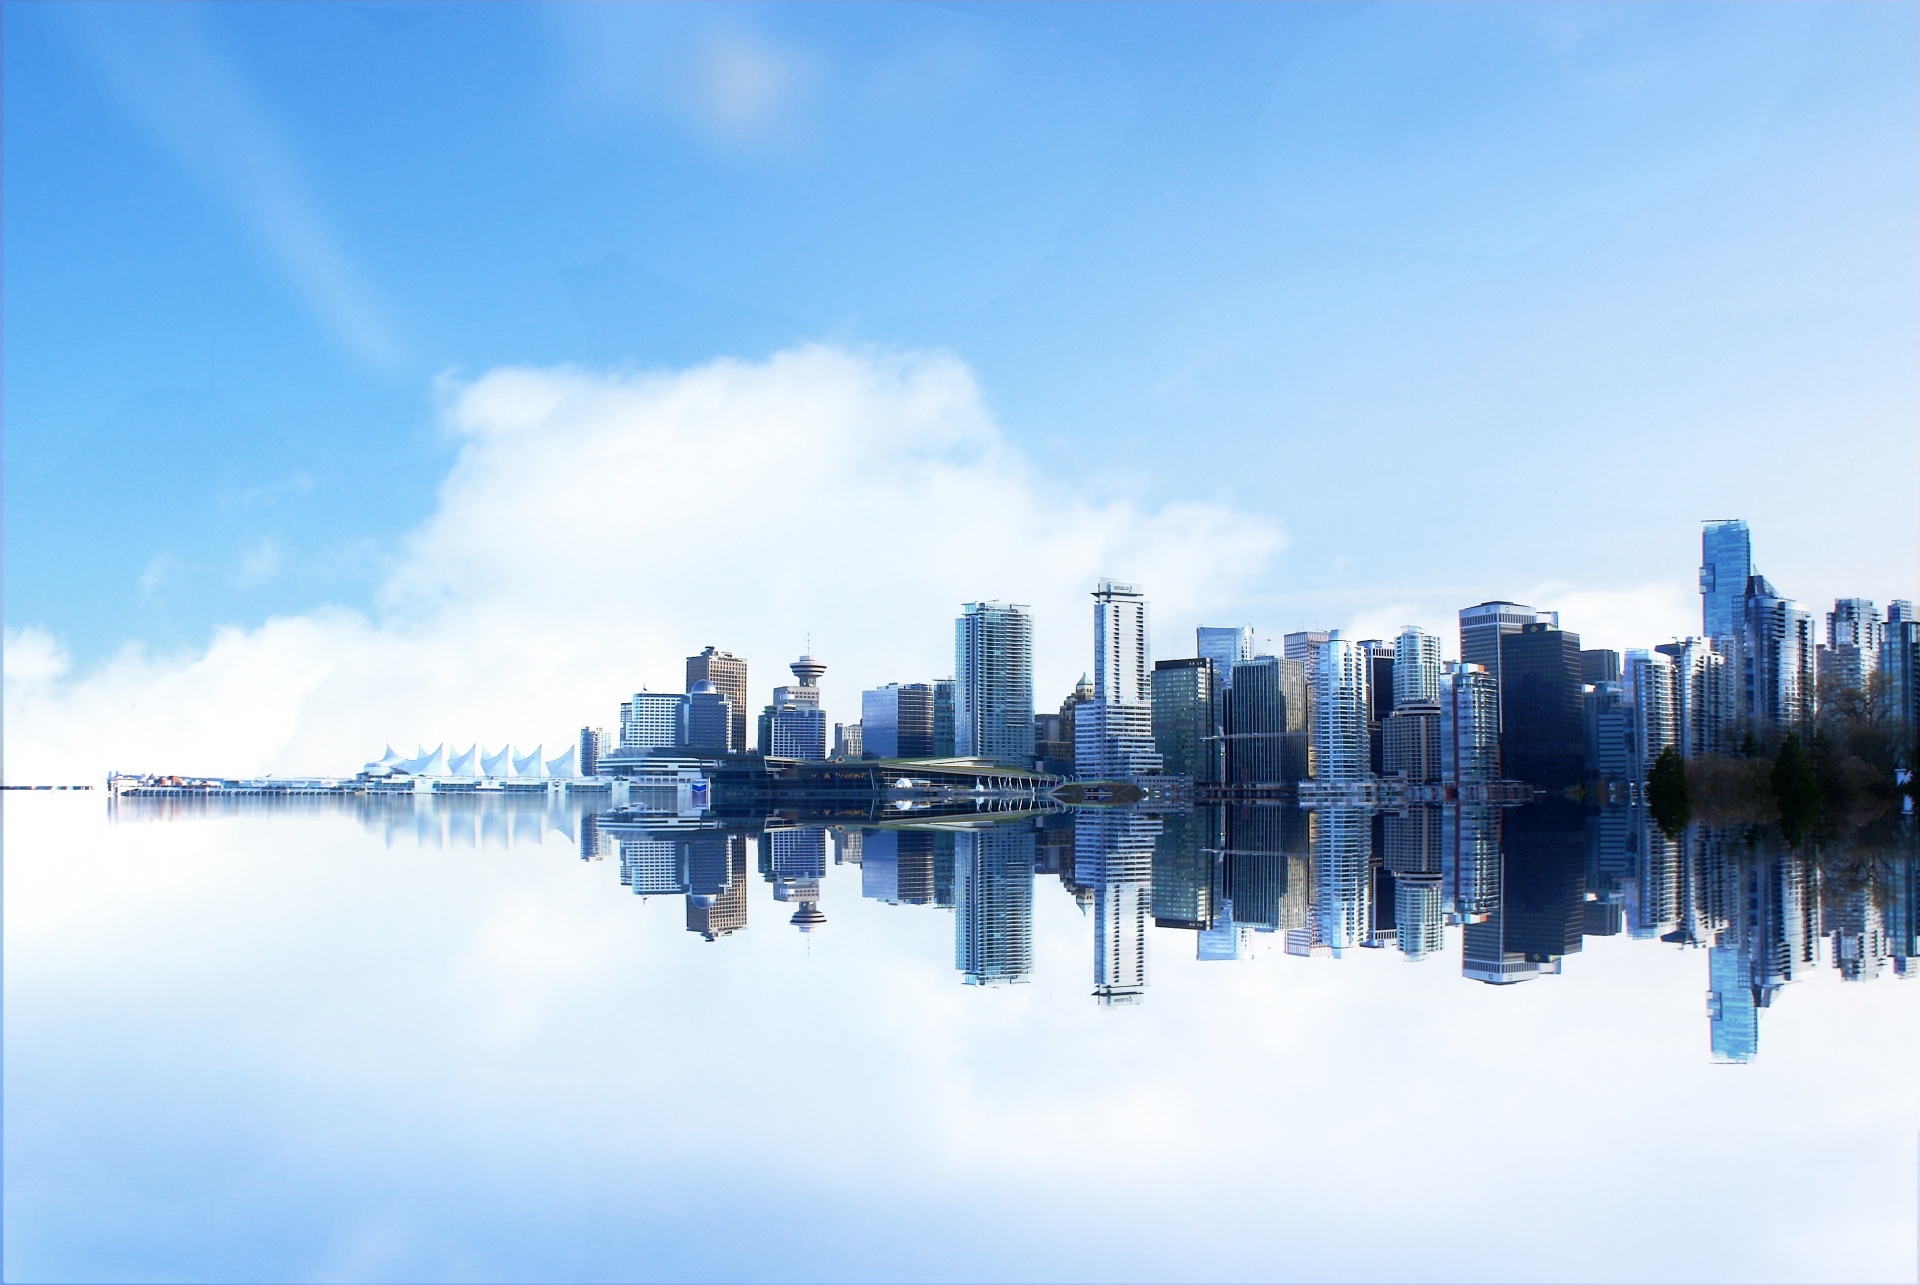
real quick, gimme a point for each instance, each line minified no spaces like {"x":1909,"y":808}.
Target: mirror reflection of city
{"x":1499,"y":894}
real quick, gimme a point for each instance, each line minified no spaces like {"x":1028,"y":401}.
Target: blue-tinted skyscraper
{"x":993,"y":683}
{"x":1225,"y":647}
{"x":1726,"y":560}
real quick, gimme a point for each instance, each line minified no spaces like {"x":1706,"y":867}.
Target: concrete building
{"x":1341,"y":750}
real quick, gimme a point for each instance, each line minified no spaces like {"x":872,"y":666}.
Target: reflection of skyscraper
{"x":1470,"y":851}
{"x":1266,"y":867}
{"x":1536,"y":915}
{"x":993,"y":893}
{"x":1733,"y":1024}
{"x":1113,"y":855}
{"x":1183,"y":871}
{"x":1342,"y":877}
{"x":717,"y":886}
{"x":797,"y":862}
{"x":993,"y":683}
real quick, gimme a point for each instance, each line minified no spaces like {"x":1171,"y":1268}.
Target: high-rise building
{"x":1113,"y":733}
{"x":1267,"y":722}
{"x":1225,"y":647}
{"x":1852,"y":651}
{"x":1341,"y":751}
{"x":728,"y":673}
{"x":1599,"y":665}
{"x":943,"y":718}
{"x":1607,"y":724}
{"x":1899,"y":666}
{"x":1541,"y":739}
{"x":1648,"y":690}
{"x":1377,"y":655}
{"x":993,"y":904}
{"x":1188,"y":711}
{"x":709,"y":720}
{"x":1702,"y":696}
{"x":1778,"y":657}
{"x":594,"y":741}
{"x":794,"y":726}
{"x":1304,"y":646}
{"x":651,"y":721}
{"x":1416,"y":666}
{"x":993,"y":683}
{"x":848,"y":741}
{"x":1342,"y":839}
{"x":897,"y":721}
{"x":1411,"y":742}
{"x":1483,"y":627}
{"x":1469,"y":726}
{"x":1726,"y":560}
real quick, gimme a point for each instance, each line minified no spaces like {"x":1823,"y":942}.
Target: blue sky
{"x":1462,"y":300}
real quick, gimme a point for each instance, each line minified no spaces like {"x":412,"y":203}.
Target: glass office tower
{"x":1726,"y":560}
{"x":993,"y":683}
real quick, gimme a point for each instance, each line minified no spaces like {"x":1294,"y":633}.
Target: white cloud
{"x":596,"y":528}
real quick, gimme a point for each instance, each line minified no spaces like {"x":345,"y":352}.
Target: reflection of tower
{"x":650,"y":865}
{"x":993,"y":893}
{"x":1470,"y":849}
{"x":1653,"y":897}
{"x":1412,"y":854}
{"x":1733,"y":1025}
{"x":1342,"y":876}
{"x":1183,"y":872}
{"x":1113,"y":855}
{"x":1266,"y":857}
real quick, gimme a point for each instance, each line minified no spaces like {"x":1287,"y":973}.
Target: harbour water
{"x":536,"y":1039}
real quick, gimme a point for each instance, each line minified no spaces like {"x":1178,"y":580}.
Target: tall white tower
{"x":1113,"y":732}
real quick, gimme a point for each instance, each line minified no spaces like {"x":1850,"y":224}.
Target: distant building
{"x":1777,"y":650}
{"x":1340,"y":746}
{"x":1649,"y":691}
{"x":943,"y":743}
{"x":1702,"y":696}
{"x":1899,"y":666}
{"x":1113,"y":733}
{"x":709,"y":721}
{"x":1469,"y":726}
{"x":1188,"y":711}
{"x":993,"y":683}
{"x":897,"y":721}
{"x":728,"y":673}
{"x":1607,"y":724}
{"x":1852,"y":651}
{"x":1483,"y":627}
{"x":1225,"y":647}
{"x":1304,"y":645}
{"x":651,"y":721}
{"x":1599,"y":665}
{"x":594,"y":742}
{"x":1541,"y":740}
{"x":1377,"y":657}
{"x":1416,"y":666}
{"x":1267,"y":723}
{"x":848,"y":742}
{"x":1411,"y":741}
{"x":794,"y":726}
{"x":1726,"y":561}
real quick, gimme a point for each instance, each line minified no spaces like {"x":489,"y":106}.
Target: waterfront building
{"x":1726,"y":561}
{"x":848,"y":741}
{"x":1541,"y":739}
{"x":993,"y":683}
{"x":1341,"y":751}
{"x":1411,"y":741}
{"x":594,"y":742}
{"x":1599,"y":665}
{"x":943,"y":743}
{"x":1225,"y":647}
{"x":1062,"y":734}
{"x":1899,"y":666}
{"x":651,"y":721}
{"x":1648,"y":688}
{"x":728,"y":673}
{"x":1702,"y":694}
{"x":897,"y":721}
{"x":1778,"y":658}
{"x":709,"y":721}
{"x":993,"y":904}
{"x":794,"y":726}
{"x":1469,"y":726}
{"x":1852,"y":650}
{"x":1483,"y":627}
{"x":1607,"y":725}
{"x":1113,"y":733}
{"x":1188,"y":711}
{"x":1266,"y":733}
{"x":1416,"y":666}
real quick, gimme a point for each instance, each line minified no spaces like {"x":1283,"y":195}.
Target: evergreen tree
{"x":1667,"y":794}
{"x":1795,"y":789}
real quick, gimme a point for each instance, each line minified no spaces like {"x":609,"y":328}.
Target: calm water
{"x":474,"y":1041}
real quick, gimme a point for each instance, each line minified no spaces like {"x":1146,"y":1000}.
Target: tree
{"x":1667,"y":793}
{"x":1796,"y":791}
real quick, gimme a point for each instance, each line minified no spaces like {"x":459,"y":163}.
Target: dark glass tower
{"x":1542,"y":741}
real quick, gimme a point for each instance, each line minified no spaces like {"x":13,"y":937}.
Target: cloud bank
{"x":598,"y":527}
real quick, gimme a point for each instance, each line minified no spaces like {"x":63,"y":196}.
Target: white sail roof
{"x":495,"y":764}
{"x":563,"y":766}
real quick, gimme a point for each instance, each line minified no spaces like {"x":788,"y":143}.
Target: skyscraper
{"x":1416,"y":666}
{"x":1341,"y":751}
{"x":728,"y":673}
{"x":1483,"y":626}
{"x":1899,"y":666}
{"x":1187,"y":716}
{"x":1852,"y":652}
{"x":1648,"y":690}
{"x":1113,"y":733}
{"x":1726,"y":560}
{"x":1541,"y":738}
{"x":1469,"y":727}
{"x":1411,"y":739}
{"x":1225,"y":647}
{"x":896,"y":721}
{"x":1267,"y":722}
{"x":943,"y":718}
{"x":651,"y":721}
{"x":993,"y":683}
{"x":1777,"y":653}
{"x":1703,"y":696}
{"x":1599,"y":665}
{"x":709,"y":724}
